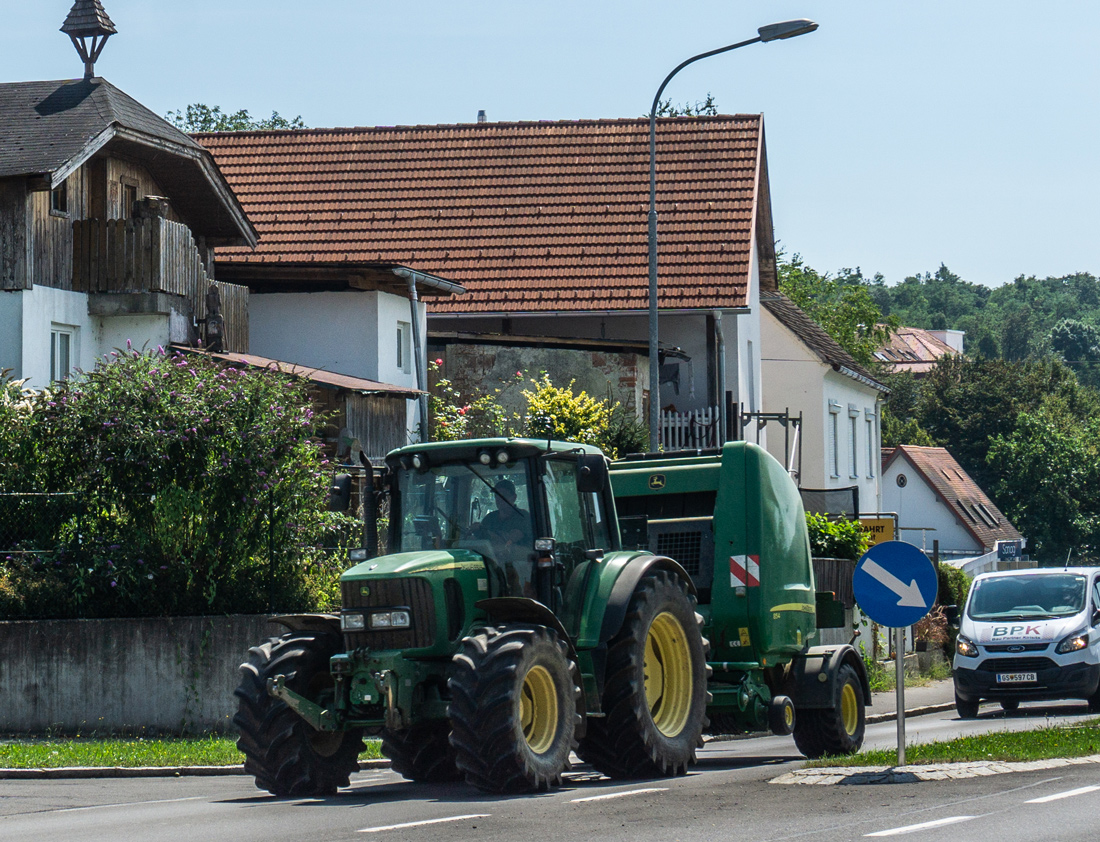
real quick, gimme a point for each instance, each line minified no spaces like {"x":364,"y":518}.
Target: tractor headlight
{"x":966,"y":647}
{"x":352,"y":622}
{"x":390,"y":620}
{"x":1073,"y":643}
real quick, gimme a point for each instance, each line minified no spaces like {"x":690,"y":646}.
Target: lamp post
{"x":771,"y":32}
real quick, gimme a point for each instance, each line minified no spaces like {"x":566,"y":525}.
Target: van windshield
{"x":1037,"y":597}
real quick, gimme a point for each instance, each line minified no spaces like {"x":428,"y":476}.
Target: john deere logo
{"x":364,"y":590}
{"x":657,"y":481}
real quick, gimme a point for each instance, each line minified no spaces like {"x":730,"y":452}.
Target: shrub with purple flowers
{"x":202,"y":492}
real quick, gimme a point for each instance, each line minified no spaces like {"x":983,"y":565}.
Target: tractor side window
{"x":597,"y":516}
{"x":567,"y":515}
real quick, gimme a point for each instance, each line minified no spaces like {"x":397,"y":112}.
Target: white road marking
{"x":619,"y":794}
{"x":128,"y":804}
{"x":897,"y":831}
{"x":1059,"y":795}
{"x":421,"y":824}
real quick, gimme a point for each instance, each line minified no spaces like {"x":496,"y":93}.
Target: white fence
{"x":690,"y":430}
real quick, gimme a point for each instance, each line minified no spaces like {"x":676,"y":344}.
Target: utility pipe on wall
{"x":720,"y":343}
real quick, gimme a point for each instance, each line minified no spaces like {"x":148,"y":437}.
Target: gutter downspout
{"x":720,"y":341}
{"x":420,"y":353}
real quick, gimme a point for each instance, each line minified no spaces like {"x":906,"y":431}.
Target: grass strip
{"x":51,"y":753}
{"x":1039,"y":744}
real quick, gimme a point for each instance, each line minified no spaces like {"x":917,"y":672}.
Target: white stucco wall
{"x":796,"y":380}
{"x":41,"y":310}
{"x":352,"y":332}
{"x":143,"y":332}
{"x":29,"y":317}
{"x":793,"y":380}
{"x":919,"y":508}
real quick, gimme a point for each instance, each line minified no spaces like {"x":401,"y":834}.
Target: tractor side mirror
{"x":591,"y":473}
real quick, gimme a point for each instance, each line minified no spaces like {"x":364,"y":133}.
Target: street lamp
{"x":771,"y":32}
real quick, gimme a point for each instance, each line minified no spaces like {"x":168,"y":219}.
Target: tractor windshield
{"x":485,"y":509}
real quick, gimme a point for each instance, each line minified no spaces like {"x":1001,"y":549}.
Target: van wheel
{"x":967,"y":709}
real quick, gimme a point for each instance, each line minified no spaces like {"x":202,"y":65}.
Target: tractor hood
{"x":410,"y":564}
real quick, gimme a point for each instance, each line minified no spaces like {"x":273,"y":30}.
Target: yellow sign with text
{"x":879,"y":528}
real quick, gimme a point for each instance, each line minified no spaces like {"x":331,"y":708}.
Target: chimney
{"x":481,"y":115}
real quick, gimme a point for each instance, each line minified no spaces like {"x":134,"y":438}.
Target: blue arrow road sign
{"x":895,"y":584}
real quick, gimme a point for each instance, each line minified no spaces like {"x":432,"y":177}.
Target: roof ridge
{"x":587,"y":121}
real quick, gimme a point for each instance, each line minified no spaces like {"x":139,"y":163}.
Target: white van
{"x":1029,"y":635}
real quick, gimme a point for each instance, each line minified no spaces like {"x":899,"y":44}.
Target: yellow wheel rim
{"x":538,"y":709}
{"x":668,"y":674}
{"x":849,"y":709}
{"x":788,"y":716}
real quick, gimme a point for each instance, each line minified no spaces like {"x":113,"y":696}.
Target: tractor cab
{"x":531,"y":512}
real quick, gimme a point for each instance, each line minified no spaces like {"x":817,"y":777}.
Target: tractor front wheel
{"x":513,"y":710}
{"x":655,"y":695}
{"x":287,"y":756}
{"x":422,"y":753}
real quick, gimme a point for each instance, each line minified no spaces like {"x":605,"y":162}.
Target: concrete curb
{"x":910,"y":712}
{"x":144,"y":771}
{"x":856,"y":775}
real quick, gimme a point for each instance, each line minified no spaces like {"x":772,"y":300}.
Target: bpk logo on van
{"x":1007,"y":634}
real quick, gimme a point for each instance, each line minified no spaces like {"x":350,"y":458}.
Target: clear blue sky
{"x":900,"y":135}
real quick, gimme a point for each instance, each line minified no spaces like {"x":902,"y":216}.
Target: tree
{"x":969,"y":402}
{"x":202,"y":118}
{"x":1076,"y":341}
{"x":706,"y":108}
{"x":845,"y":309}
{"x":1048,"y":475}
{"x":899,"y":422}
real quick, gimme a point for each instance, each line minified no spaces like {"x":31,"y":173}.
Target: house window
{"x":869,"y":418}
{"x":59,"y":199}
{"x":853,"y":444}
{"x":834,"y":438}
{"x":61,"y":352}
{"x":404,"y":347}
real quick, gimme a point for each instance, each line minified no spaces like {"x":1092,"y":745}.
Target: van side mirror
{"x":591,"y":473}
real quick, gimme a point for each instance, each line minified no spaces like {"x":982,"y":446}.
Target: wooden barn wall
{"x":51,"y":251}
{"x":378,"y":421}
{"x":119,"y":168}
{"x":13,"y":234}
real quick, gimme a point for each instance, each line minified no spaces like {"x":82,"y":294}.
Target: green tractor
{"x":508,"y":627}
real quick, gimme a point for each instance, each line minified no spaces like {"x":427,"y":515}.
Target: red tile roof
{"x":529,"y":217}
{"x":913,"y":349}
{"x":972,"y":508}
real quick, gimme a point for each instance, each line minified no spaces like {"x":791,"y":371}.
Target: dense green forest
{"x":1020,"y":410}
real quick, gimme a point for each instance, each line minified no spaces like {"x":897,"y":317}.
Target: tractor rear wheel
{"x":422,"y":753}
{"x":837,"y":730}
{"x":655,"y":695}
{"x":287,"y":756}
{"x":513,"y":710}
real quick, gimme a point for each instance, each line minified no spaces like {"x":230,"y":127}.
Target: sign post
{"x":895,"y":584}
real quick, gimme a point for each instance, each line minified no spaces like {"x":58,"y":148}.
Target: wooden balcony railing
{"x":154,"y":255}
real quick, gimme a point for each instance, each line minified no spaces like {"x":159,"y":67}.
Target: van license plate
{"x":1016,"y":677}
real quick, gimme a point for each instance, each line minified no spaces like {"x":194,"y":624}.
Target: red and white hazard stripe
{"x":744,"y":571}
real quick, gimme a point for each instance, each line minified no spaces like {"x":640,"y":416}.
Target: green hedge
{"x":200,"y":490}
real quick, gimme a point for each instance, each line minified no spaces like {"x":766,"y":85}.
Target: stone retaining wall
{"x":171,"y":675}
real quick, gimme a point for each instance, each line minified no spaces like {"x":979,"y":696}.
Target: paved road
{"x":727,"y":795}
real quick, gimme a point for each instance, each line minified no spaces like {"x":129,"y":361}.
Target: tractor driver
{"x":508,"y":529}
